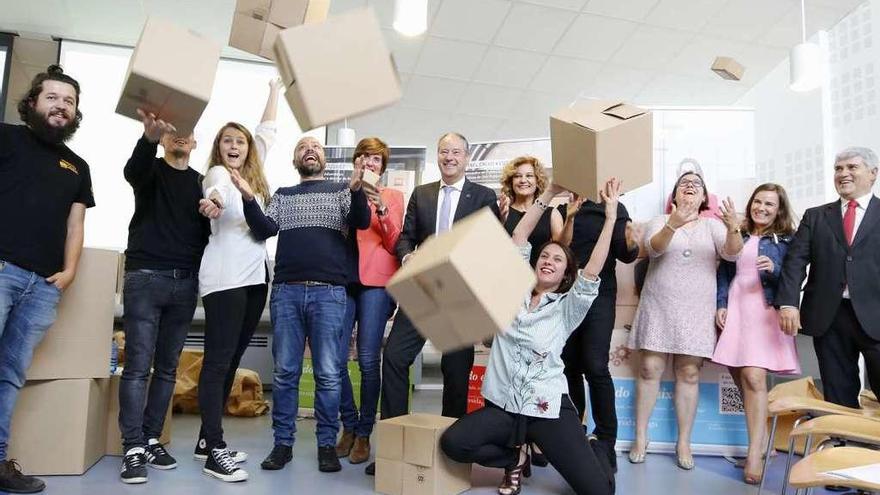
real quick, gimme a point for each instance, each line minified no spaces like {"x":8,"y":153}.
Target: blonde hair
{"x":252,"y":169}
{"x":510,"y":170}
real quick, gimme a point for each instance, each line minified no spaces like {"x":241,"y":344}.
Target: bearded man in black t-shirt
{"x":45,"y":189}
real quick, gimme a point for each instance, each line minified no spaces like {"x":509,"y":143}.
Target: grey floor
{"x":659,"y":475}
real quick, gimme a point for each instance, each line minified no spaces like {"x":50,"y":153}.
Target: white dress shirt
{"x":455,"y":195}
{"x":860,"y":214}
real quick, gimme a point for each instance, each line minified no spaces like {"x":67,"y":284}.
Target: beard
{"x":309,"y":169}
{"x":178,"y":153}
{"x":39,"y":124}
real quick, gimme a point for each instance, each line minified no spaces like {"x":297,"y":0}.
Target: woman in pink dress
{"x":751,"y":341}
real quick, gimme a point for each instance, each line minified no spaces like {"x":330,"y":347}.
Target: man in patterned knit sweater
{"x":312,"y":221}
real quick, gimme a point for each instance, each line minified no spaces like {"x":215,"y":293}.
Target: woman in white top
{"x":233,"y":278}
{"x":525,"y":389}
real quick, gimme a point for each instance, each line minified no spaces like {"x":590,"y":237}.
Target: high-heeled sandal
{"x":512,"y":482}
{"x":638,"y":457}
{"x":538,"y":457}
{"x":752,"y":478}
{"x":686,"y":463}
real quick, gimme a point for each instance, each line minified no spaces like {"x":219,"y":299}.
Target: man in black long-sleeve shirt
{"x":312,"y":221}
{"x":586,"y":352}
{"x":166,"y":238}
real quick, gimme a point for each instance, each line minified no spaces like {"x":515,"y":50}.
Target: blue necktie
{"x":445,"y":209}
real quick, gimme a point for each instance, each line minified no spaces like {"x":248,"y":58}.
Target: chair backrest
{"x":810,"y":471}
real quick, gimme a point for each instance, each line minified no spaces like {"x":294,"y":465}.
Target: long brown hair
{"x":784,"y":222}
{"x":571,"y":267}
{"x":252,"y":169}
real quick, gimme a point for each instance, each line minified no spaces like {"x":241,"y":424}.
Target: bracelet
{"x":382,"y":211}
{"x":670,"y":227}
{"x":541,"y":204}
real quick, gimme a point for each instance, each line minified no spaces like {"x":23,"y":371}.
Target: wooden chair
{"x":808,"y":472}
{"x":804,"y":408}
{"x":860,"y":430}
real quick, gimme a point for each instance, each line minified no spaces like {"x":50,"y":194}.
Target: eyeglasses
{"x":688,"y":182}
{"x":456,"y":153}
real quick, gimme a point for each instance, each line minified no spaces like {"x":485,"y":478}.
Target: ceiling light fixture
{"x":805,"y":61}
{"x":411,"y":17}
{"x":345,"y":136}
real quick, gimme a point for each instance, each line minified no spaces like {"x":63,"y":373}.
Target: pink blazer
{"x":377,"y":261}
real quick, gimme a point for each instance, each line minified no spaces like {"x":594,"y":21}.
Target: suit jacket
{"x":834,"y":265}
{"x":421,"y":212}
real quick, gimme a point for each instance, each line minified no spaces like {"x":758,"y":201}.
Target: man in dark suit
{"x":840,"y":242}
{"x":432,"y":208}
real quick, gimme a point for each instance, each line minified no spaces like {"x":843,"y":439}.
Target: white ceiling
{"x":495,"y":69}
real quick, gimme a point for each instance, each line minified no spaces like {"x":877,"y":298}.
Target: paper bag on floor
{"x":186,"y":389}
{"x":246,"y":397}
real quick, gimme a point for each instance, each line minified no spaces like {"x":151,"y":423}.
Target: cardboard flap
{"x":624,"y":111}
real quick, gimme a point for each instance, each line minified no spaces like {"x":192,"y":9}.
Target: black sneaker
{"x":201,"y":453}
{"x":328,"y":462}
{"x":221,"y":466}
{"x":280,"y":455}
{"x":158,"y":457}
{"x":134,"y":466}
{"x":13,"y":481}
{"x":370,"y":470}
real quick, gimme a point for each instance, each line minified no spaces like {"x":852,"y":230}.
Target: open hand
{"x":610,"y":195}
{"x":357,"y":175}
{"x":154,"y":128}
{"x":275,"y":84}
{"x":504,"y":207}
{"x":574,"y":206}
{"x":242,"y":185}
{"x":687,"y":212}
{"x":727,"y":214}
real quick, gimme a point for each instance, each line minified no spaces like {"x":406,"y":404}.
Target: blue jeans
{"x":370,"y":307}
{"x":300,"y":312}
{"x":27,"y":309}
{"x":158,"y":315}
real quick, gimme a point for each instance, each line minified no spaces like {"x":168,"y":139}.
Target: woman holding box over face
{"x":751,"y":341}
{"x":676,"y":313}
{"x":525,"y":389}
{"x":368,"y":302}
{"x":233,"y":278}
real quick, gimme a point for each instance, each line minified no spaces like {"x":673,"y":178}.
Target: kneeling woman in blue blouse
{"x":525,"y":389}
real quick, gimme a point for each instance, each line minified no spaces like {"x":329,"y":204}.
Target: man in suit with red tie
{"x":432,"y":209}
{"x":840,"y":242}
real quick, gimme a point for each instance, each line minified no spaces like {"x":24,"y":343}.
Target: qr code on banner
{"x":730,"y":400}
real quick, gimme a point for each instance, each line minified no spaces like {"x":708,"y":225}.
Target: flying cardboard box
{"x":728,"y":68}
{"x":256,"y":23}
{"x":594,"y":140}
{"x":409,"y":460}
{"x":322,"y":66}
{"x":171,"y":74}
{"x":78,"y":344}
{"x":464,"y":285}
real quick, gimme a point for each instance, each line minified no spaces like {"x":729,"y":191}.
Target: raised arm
{"x":139,"y":167}
{"x":610,"y":196}
{"x":533,"y":215}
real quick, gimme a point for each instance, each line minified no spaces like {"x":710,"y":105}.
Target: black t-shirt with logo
{"x":38,"y":184}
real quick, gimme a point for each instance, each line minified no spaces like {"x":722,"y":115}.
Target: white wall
{"x":106,"y":139}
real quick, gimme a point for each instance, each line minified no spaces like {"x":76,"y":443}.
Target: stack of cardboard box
{"x":256,"y":23}
{"x":59,"y":425}
{"x":409,"y":460}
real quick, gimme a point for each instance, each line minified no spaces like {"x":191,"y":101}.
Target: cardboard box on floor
{"x":171,"y":74}
{"x":256,"y":23}
{"x":59,"y":426}
{"x":409,"y":460}
{"x":464,"y":285}
{"x":322,"y":66}
{"x":594,"y":140}
{"x":113,"y":445}
{"x":77,"y":345}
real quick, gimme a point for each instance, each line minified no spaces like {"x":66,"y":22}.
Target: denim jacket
{"x":773,"y":246}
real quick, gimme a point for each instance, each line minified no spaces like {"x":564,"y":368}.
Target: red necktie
{"x":849,"y":220}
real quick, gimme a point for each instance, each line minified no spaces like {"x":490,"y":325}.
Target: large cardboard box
{"x":593,"y":140}
{"x":77,"y":345}
{"x":171,"y":74}
{"x":323,"y":64}
{"x":59,"y":426}
{"x":256,"y":23}
{"x":409,"y":460}
{"x":113,"y":445}
{"x":464,"y":285}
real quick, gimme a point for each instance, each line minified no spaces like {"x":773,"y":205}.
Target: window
{"x":5,"y":57}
